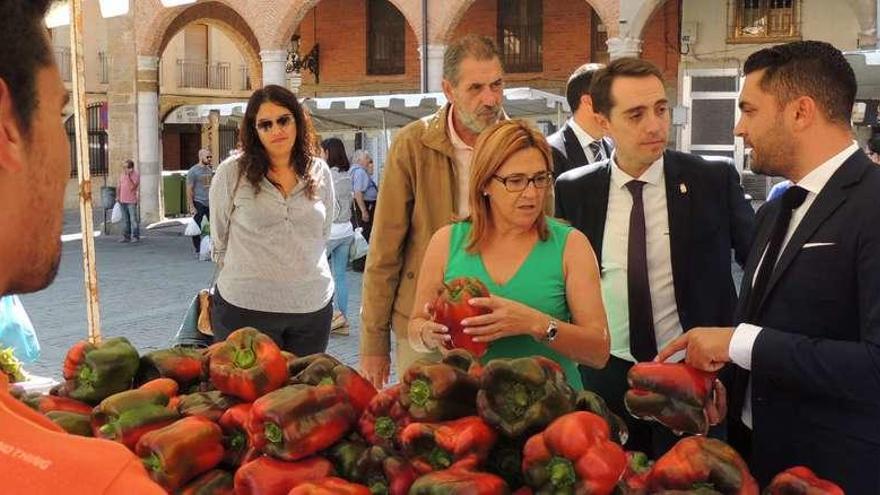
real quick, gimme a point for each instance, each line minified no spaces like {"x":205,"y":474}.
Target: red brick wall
{"x":661,"y":41}
{"x":342,"y":34}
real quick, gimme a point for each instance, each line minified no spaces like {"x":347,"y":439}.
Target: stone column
{"x":274,"y":63}
{"x":121,"y":98}
{"x":149,"y":148}
{"x":620,"y":47}
{"x":435,"y":66}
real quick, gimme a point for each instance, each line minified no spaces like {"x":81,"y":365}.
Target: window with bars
{"x":761,"y":21}
{"x":521,"y":34}
{"x":99,"y":146}
{"x":386,"y":39}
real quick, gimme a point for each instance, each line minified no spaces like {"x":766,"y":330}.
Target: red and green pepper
{"x":248,"y":365}
{"x":179,"y":452}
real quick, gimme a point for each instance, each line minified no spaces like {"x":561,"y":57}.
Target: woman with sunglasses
{"x":542,"y":274}
{"x":272,"y":208}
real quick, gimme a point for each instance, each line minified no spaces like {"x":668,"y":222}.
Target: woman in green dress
{"x":542,"y":274}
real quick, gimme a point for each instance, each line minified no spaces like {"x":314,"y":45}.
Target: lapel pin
{"x":683,"y":188}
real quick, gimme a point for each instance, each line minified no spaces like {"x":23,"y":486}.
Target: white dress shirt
{"x":584,"y":139}
{"x":659,"y":255}
{"x":464,"y":154}
{"x":745,"y":334}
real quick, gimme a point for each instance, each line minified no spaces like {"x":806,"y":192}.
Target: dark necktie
{"x":642,"y":342}
{"x":791,"y":200}
{"x":596,"y":149}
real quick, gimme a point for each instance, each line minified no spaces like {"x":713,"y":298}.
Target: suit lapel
{"x":573,"y":150}
{"x":765,"y":228}
{"x":595,"y":208}
{"x":830,"y":198}
{"x":678,"y":207}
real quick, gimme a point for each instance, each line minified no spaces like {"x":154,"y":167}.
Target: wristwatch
{"x":552,"y":332}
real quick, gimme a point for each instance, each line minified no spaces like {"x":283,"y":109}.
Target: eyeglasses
{"x":519,"y":182}
{"x":283,"y":121}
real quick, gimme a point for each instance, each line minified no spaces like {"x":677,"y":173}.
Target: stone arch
{"x":296,"y":13}
{"x":642,"y":16}
{"x":454,"y":11}
{"x":168,"y":22}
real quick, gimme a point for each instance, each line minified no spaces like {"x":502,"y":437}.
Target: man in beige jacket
{"x":424,"y":187}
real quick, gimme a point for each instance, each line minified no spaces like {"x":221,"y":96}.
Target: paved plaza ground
{"x":145,"y":290}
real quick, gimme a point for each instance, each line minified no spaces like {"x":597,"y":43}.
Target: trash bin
{"x":108,"y":197}
{"x":172,"y":191}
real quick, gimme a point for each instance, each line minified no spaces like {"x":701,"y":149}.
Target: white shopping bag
{"x":192,"y":228}
{"x":206,"y":249}
{"x":116,"y":214}
{"x":359,"y":246}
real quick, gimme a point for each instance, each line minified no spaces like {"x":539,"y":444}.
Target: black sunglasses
{"x":282,"y":121}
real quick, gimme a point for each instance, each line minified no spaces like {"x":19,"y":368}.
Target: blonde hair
{"x":493,"y":148}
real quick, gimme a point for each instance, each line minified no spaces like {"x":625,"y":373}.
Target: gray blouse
{"x":271,"y":249}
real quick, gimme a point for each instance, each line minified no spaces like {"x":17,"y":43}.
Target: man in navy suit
{"x":663,"y":225}
{"x":807,"y":349}
{"x":581,"y":140}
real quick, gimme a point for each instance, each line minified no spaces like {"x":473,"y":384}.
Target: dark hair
{"x":808,"y":68}
{"x":24,"y":48}
{"x":579,"y":84}
{"x":254,"y":160}
{"x":471,"y":45}
{"x":600,"y":89}
{"x":336,"y":156}
{"x":874,"y":144}
{"x":129,"y":164}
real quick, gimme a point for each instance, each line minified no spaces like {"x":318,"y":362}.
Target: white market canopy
{"x":382,"y":111}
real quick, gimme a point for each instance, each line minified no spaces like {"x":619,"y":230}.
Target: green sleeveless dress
{"x":539,"y":283}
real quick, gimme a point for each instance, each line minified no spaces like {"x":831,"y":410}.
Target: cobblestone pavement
{"x":144,"y":291}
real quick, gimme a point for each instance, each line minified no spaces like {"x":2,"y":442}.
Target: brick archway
{"x":453,"y":11}
{"x":164,"y":23}
{"x":294,"y":15}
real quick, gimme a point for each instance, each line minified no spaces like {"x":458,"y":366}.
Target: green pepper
{"x":248,"y":364}
{"x":72,"y":422}
{"x":463,"y":442}
{"x":440,"y":391}
{"x":93,"y":373}
{"x":459,"y":482}
{"x":297,"y":421}
{"x":125,"y":417}
{"x":702,"y":462}
{"x":181,"y":364}
{"x":179,"y":452}
{"x":592,"y":402}
{"x":345,"y":454}
{"x":323,"y":369}
{"x":522,"y":396}
{"x":211,"y":405}
{"x":214,"y":482}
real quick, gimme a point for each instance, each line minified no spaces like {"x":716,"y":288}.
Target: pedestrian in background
{"x":198,"y":182}
{"x":365,"y":193}
{"x":273,"y":207}
{"x":341,"y":232}
{"x":129,"y":181}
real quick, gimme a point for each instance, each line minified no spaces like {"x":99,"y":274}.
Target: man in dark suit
{"x":807,"y":349}
{"x":581,"y":140}
{"x":662,"y":224}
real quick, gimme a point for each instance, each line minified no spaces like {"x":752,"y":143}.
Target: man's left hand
{"x":706,"y":348}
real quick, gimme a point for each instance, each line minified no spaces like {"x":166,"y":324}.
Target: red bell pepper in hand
{"x":383,"y":472}
{"x":323,"y":369}
{"x":801,"y":480}
{"x":248,"y":364}
{"x":702,"y":462}
{"x":268,"y":476}
{"x":298,"y":420}
{"x":330,"y":486}
{"x":673,"y":394}
{"x":458,"y":481}
{"x":384,"y":419}
{"x":214,"y":482}
{"x":451,"y":307}
{"x":574,"y":455}
{"x":210,"y":405}
{"x":181,"y":451}
{"x":181,"y":364}
{"x":93,"y":373}
{"x":440,"y":391}
{"x":125,"y":417}
{"x":464,"y":442}
{"x":236,"y":439}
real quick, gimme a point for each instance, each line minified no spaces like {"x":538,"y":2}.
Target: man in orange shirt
{"x":37,"y":457}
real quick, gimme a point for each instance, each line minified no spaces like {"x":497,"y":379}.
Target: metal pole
{"x":93,"y":312}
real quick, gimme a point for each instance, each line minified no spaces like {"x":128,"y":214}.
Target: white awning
{"x":378,"y":111}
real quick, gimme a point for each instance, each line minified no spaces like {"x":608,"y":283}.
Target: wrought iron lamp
{"x":296,"y":62}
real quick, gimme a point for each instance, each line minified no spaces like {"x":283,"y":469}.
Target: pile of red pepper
{"x":243,"y":417}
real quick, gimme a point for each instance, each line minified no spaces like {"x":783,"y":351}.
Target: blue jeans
{"x":338,"y":250}
{"x":131,"y":220}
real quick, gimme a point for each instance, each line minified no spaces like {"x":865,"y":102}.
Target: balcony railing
{"x":62,"y":57}
{"x":245,"y":78}
{"x":104,"y":67}
{"x":203,"y":75}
